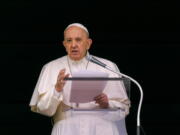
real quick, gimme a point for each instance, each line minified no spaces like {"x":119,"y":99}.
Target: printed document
{"x":83,"y":91}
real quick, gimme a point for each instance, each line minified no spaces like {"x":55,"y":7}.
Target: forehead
{"x":74,"y":31}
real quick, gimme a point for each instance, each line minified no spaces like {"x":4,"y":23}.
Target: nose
{"x":74,"y":44}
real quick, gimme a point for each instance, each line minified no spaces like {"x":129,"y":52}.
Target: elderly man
{"x":51,"y":96}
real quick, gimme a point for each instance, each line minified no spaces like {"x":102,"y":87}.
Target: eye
{"x":78,"y":39}
{"x":68,"y":40}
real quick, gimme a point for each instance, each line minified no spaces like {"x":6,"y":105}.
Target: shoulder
{"x":56,"y":62}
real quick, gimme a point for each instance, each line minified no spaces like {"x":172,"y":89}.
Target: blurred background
{"x":141,"y":37}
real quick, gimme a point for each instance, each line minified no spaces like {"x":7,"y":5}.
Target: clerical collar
{"x":83,"y":60}
{"x":72,"y":63}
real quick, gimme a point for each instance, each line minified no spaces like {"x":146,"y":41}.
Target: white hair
{"x":78,"y":25}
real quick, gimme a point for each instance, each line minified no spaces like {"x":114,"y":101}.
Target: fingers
{"x":61,"y":74}
{"x":102,"y":100}
{"x":60,"y":80}
{"x":101,"y":97}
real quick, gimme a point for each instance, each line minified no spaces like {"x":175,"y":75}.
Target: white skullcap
{"x":77,"y":25}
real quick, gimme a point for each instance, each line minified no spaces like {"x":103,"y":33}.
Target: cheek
{"x":86,"y":47}
{"x":67,"y":49}
{"x":83,"y":49}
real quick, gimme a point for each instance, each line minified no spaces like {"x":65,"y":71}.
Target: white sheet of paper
{"x":85,"y":91}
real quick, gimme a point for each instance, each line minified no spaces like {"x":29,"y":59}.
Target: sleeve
{"x":121,"y":104}
{"x":44,"y":99}
{"x":49,"y":102}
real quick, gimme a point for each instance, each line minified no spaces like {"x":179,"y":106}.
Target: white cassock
{"x":47,"y":101}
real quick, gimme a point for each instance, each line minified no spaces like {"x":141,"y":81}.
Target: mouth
{"x":74,"y":52}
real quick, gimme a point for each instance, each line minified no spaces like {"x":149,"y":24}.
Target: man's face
{"x":76,"y":42}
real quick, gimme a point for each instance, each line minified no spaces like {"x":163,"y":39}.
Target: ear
{"x":64,"y":44}
{"x":89,"y":43}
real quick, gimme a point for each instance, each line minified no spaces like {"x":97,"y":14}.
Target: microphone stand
{"x":141,"y":96}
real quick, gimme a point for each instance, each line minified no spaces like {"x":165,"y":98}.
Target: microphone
{"x":96,"y":61}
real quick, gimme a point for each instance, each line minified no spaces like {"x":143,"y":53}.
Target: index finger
{"x":62,"y":71}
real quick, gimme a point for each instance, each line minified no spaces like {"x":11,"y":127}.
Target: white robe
{"x":46,"y":101}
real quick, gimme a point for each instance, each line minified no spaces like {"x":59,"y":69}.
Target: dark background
{"x":141,"y":37}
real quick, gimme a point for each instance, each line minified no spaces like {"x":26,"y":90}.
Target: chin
{"x":75,"y":58}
